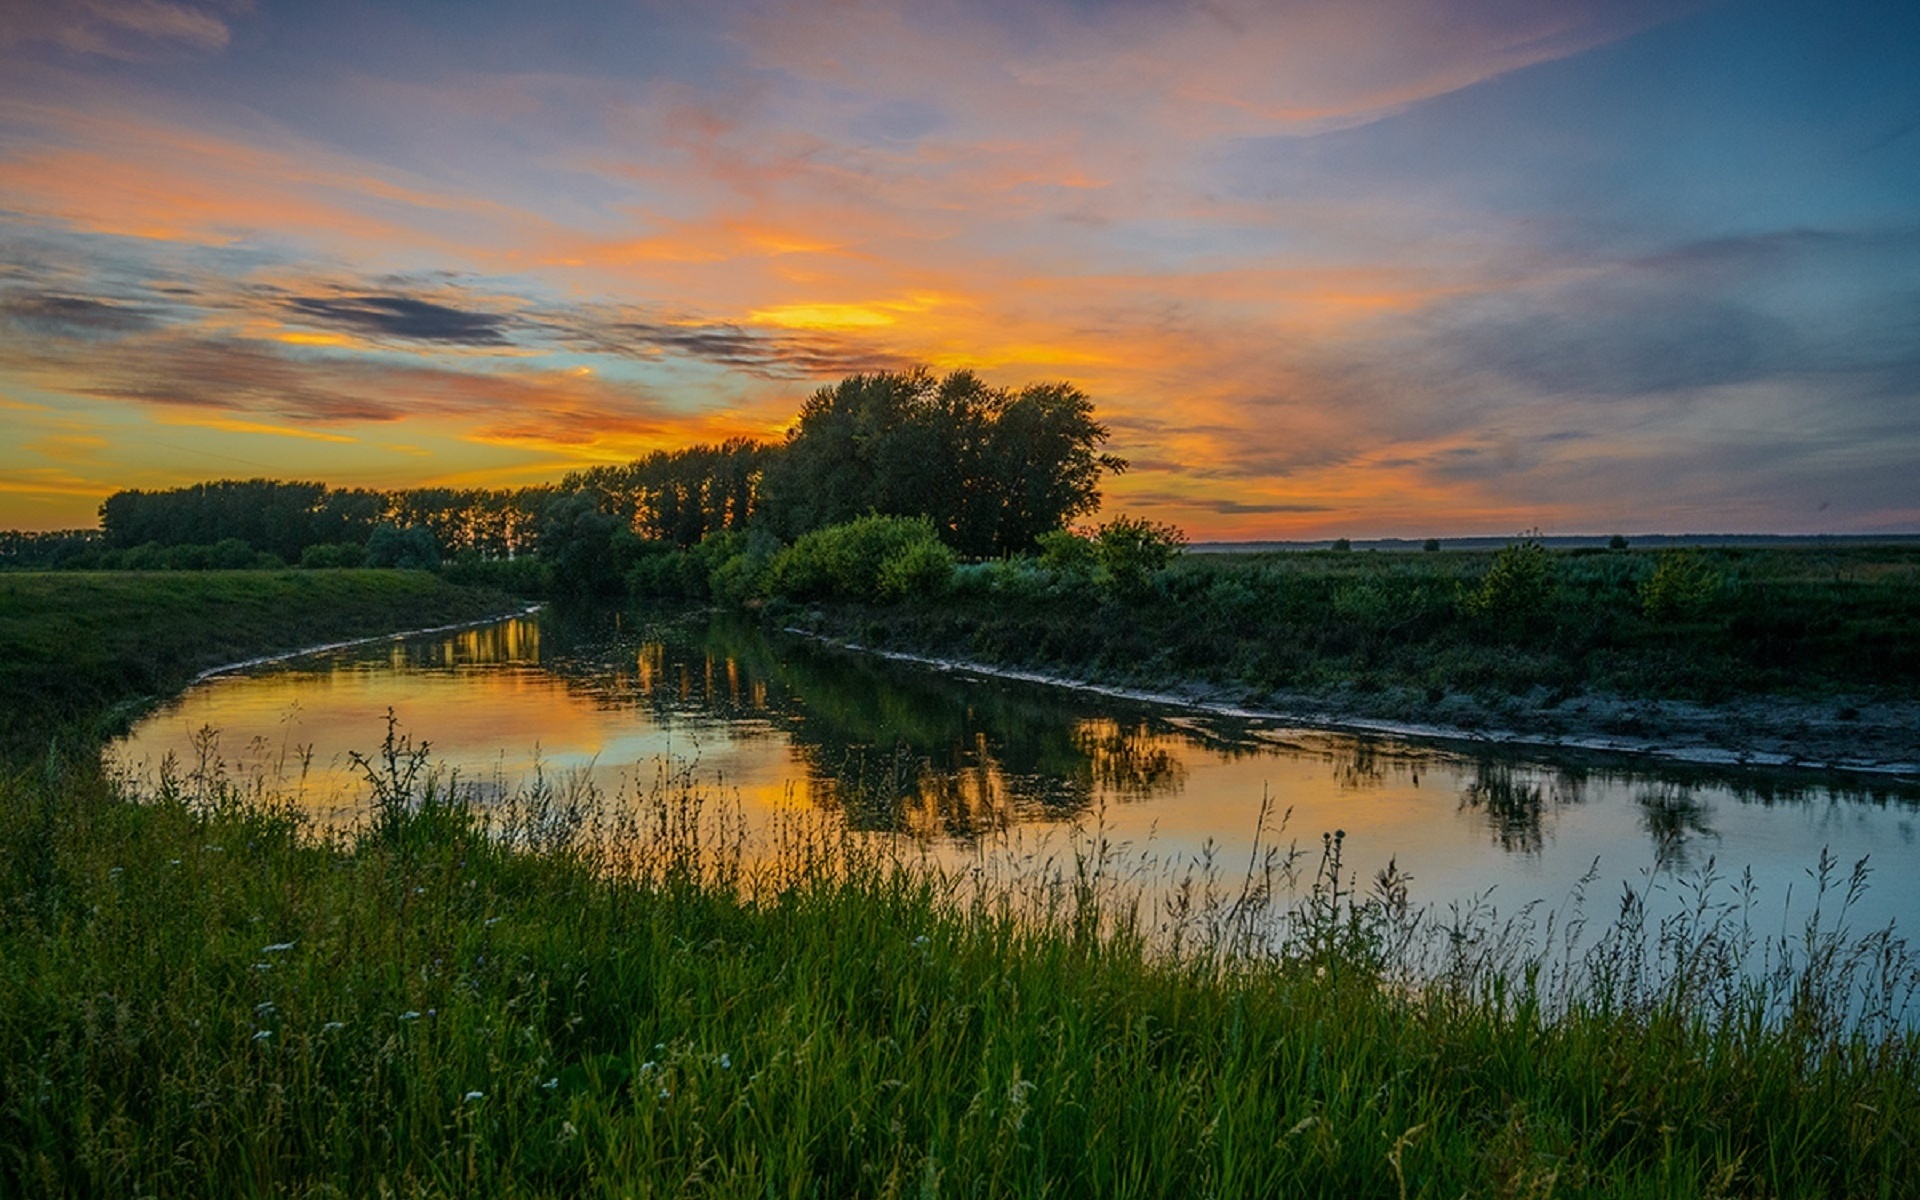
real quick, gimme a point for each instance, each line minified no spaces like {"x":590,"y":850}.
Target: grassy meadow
{"x":75,"y":646}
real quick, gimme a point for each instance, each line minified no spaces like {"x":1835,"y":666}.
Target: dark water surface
{"x":958,"y":761}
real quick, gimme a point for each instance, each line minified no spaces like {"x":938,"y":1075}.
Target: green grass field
{"x":76,"y":645}
{"x":198,"y":997}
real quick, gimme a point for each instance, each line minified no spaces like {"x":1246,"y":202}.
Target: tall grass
{"x":566,"y":994}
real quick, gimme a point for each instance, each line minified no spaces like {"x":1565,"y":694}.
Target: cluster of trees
{"x":993,"y":469}
{"x":985,"y":471}
{"x":289,"y":519}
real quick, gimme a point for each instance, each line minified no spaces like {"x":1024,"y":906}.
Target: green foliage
{"x":1617,"y":542}
{"x":1068,"y":552}
{"x":1683,"y":587}
{"x":1431,"y":546}
{"x":410,"y":549}
{"x":1341,"y":546}
{"x":1270,"y":627}
{"x":680,"y":497}
{"x":872,"y":558}
{"x":1131,"y":550}
{"x":1516,"y":588}
{"x":333,"y":556}
{"x":55,"y":550}
{"x":992,"y":469}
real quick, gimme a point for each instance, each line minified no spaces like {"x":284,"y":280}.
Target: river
{"x":953,"y":762}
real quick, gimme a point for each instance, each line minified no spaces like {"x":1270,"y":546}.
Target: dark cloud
{"x":73,"y":316}
{"x":404,"y":317}
{"x":1224,"y":505}
{"x":764,"y":354}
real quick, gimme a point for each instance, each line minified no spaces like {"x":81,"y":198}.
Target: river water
{"x":954,"y":762}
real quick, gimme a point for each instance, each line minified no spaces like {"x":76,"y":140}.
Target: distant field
{"x":75,"y":643}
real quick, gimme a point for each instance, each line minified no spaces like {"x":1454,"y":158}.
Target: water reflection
{"x":1518,"y":802}
{"x":892,"y":749}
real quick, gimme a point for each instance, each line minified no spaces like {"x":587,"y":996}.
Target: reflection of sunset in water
{"x":778,"y":726}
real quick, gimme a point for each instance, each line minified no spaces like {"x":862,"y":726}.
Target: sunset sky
{"x":1332,"y":267}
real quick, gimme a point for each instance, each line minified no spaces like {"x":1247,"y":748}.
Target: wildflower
{"x":115,"y":873}
{"x":262,"y":1035}
{"x":472,"y":1096}
{"x":277,"y":948}
{"x":551,"y":1084}
{"x":409,"y":1015}
{"x":726,"y":1061}
{"x":492,"y":921}
{"x":173,"y":862}
{"x":263,"y":966}
{"x":265,"y":1006}
{"x":330,"y":1026}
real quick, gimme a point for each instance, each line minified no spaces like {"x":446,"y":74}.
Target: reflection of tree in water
{"x":891,"y":746}
{"x":1516,"y":803}
{"x":1675,"y":815}
{"x":1130,"y":761}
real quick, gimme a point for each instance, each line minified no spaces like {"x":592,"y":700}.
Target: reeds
{"x":562,"y":993}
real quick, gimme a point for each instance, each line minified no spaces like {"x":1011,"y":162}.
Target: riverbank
{"x":82,"y":652}
{"x":200,"y":997}
{"x":1771,"y":657}
{"x":1876,"y":738}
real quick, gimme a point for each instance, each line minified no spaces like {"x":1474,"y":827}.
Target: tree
{"x":991,"y":469}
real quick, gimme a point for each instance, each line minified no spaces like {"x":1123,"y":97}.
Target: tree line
{"x":990,"y":469}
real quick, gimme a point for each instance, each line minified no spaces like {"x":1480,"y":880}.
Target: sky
{"x":1326,"y":267}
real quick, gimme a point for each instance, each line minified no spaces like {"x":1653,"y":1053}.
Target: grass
{"x":197,"y":997}
{"x":77,"y":648}
{"x":1707,"y":625}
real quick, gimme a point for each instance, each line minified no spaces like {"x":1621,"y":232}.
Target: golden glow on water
{"x":952,"y":762}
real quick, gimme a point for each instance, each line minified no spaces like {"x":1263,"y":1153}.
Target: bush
{"x":1132,"y":550}
{"x":1516,"y":588}
{"x":1431,"y":546}
{"x":1682,"y":588}
{"x":1068,"y":552}
{"x":332,"y":555}
{"x":874,"y":557}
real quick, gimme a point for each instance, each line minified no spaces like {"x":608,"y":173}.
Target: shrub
{"x":1682,"y":587}
{"x":1131,"y":550}
{"x":874,"y":557}
{"x":1068,"y":552}
{"x":330,"y":555}
{"x":1431,"y":546}
{"x":1515,"y":589}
